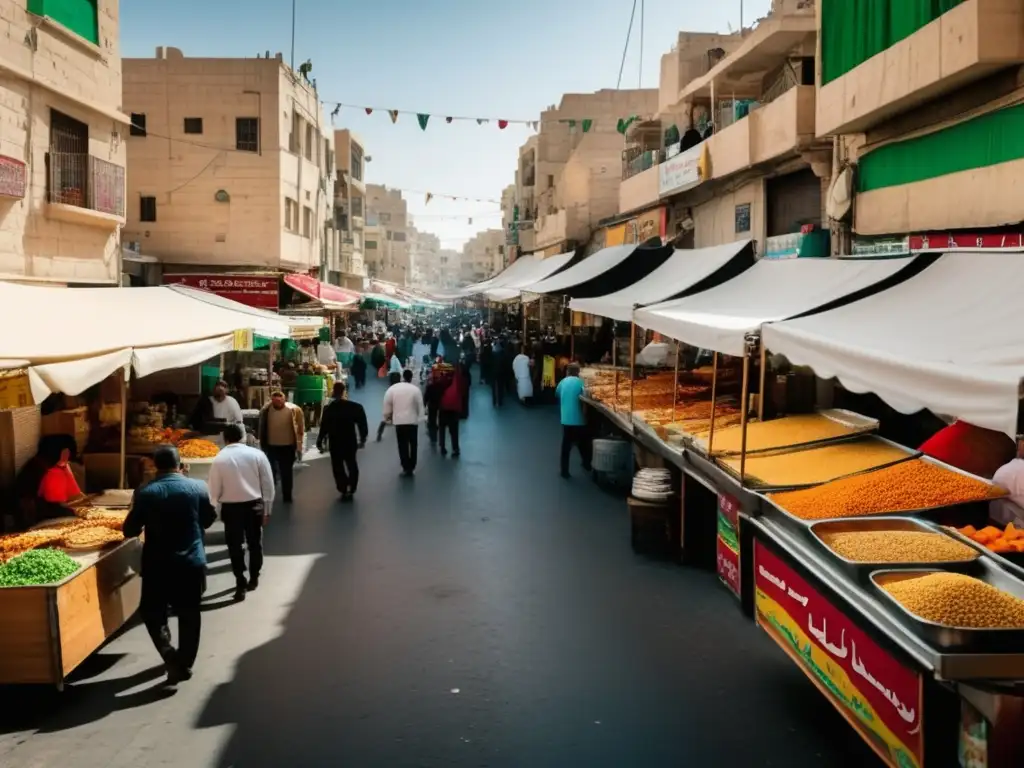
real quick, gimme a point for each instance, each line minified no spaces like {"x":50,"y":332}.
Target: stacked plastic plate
{"x":652,"y":485}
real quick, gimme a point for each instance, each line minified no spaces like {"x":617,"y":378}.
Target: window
{"x":138,"y":126}
{"x":385,"y":218}
{"x":79,"y":16}
{"x":398,"y":237}
{"x":371,"y":245}
{"x":309,"y":142}
{"x":357,"y":162}
{"x":551,"y":180}
{"x":307,"y":221}
{"x":357,"y":206}
{"x":389,"y":233}
{"x":291,"y":215}
{"x":147,"y":209}
{"x":193,"y":125}
{"x":247,"y":134}
{"x":295,"y":137}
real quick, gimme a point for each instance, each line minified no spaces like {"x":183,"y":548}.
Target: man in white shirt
{"x":403,"y":407}
{"x":326,"y":355}
{"x":242,"y":489}
{"x":219,"y":407}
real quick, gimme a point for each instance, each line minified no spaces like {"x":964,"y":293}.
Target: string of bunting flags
{"x":423,"y":118}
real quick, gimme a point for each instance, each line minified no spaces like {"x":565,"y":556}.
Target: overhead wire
{"x":625,"y":49}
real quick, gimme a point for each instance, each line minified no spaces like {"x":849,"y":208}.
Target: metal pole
{"x":675,"y":385}
{"x":124,"y":427}
{"x":743,"y":414}
{"x":292,"y":57}
{"x":615,"y":366}
{"x":714,"y":398}
{"x":741,"y":18}
{"x":632,"y":365}
{"x":764,"y":378}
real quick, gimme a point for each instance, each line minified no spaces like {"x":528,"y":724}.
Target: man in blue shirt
{"x":574,"y":421}
{"x":173,"y":511}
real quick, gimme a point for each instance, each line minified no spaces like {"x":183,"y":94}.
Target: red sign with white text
{"x":260,"y":291}
{"x":877,"y":694}
{"x":321,"y":291}
{"x":934,"y":241}
{"x":728,"y":544}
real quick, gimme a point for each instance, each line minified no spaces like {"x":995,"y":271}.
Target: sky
{"x":474,"y":58}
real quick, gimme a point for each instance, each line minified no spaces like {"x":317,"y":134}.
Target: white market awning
{"x":948,"y":339}
{"x":720,"y":318}
{"x":512,"y":272}
{"x":539,"y":270}
{"x":683,"y":270}
{"x":589,"y":268}
{"x":72,"y":338}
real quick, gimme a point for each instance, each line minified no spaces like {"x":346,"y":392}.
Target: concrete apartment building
{"x":931,"y":115}
{"x":388,"y":224}
{"x":449,"y":269}
{"x":425,"y":248}
{"x":509,"y":220}
{"x":568,"y":176}
{"x":232,"y":164}
{"x":483,"y":256}
{"x":62,"y":148}
{"x":732,"y":153}
{"x":350,"y":209}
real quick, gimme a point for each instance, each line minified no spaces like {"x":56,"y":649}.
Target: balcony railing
{"x":634,"y":162}
{"x":85,"y":181}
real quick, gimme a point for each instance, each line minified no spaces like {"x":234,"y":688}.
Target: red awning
{"x":331,"y":296}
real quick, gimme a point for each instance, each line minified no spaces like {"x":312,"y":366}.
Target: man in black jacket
{"x":343,"y":427}
{"x":173,"y":511}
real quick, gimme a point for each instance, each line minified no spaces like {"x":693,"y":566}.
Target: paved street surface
{"x":485,"y":613}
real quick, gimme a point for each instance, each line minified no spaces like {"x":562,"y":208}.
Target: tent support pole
{"x":714,"y":398}
{"x":632,"y":365}
{"x":745,"y":406}
{"x":124,"y":427}
{"x":675,"y":385}
{"x":764,"y":378}
{"x":615,"y":366}
{"x":522,"y":307}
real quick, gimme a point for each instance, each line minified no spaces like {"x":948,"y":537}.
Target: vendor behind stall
{"x":46,"y":484}
{"x":973,"y":449}
{"x":216,"y":410}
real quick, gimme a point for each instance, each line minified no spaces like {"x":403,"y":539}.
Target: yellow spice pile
{"x":817,"y":465}
{"x":955,"y":600}
{"x":909,"y":485}
{"x":780,"y":433}
{"x":898,"y":547}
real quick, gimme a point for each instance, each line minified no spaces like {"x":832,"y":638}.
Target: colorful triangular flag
{"x":449,"y":119}
{"x":337,"y":109}
{"x":502,"y":125}
{"x":422,"y":119}
{"x":429,"y":197}
{"x":587,"y":125}
{"x":481,"y":121}
{"x":369,"y":110}
{"x":535,"y":125}
{"x":393,"y":113}
{"x":572,"y":124}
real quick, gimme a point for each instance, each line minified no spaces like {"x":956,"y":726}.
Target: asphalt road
{"x":484,"y":613}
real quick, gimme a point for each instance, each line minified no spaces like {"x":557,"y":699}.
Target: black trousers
{"x":282,"y":463}
{"x":450,"y":426}
{"x":498,"y":391}
{"x":243,"y":526}
{"x":345,"y":469}
{"x":432,"y":422}
{"x":580,"y":437}
{"x":179,"y":589}
{"x":408,"y":445}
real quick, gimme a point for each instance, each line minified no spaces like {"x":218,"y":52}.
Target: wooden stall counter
{"x":47,"y":631}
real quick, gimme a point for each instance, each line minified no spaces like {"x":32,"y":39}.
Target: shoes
{"x":177,"y":674}
{"x":456,"y":454}
{"x":444,"y":451}
{"x":240,"y":589}
{"x":253,"y":585}
{"x":408,"y":473}
{"x":588,"y":469}
{"x":287,"y":499}
{"x":566,"y":475}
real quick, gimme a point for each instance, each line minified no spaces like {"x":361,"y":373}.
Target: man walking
{"x":173,"y":511}
{"x":242,"y":489}
{"x":282,"y":434}
{"x":498,"y":373}
{"x":574,"y":422}
{"x":343,"y":427}
{"x":403,"y":407}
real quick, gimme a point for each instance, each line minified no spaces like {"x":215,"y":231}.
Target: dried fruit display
{"x":956,"y":600}
{"x":909,"y":485}
{"x":91,"y":537}
{"x":198,"y":449}
{"x":1004,"y":541}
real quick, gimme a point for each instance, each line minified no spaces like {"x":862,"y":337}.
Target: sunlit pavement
{"x":484,"y":613}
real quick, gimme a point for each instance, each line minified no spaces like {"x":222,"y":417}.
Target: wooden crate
{"x":19,"y":441}
{"x":47,"y":632}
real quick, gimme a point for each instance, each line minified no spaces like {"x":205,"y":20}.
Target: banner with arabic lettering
{"x":727,"y":547}
{"x":877,"y":694}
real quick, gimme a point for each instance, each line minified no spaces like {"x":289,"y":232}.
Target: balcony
{"x":963,"y":45}
{"x":82,"y":189}
{"x":563,"y":224}
{"x":639,"y":191}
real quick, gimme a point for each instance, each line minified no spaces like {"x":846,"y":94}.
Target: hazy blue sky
{"x":461,"y":57}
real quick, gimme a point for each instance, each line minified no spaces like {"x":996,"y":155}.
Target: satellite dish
{"x":839,"y":200}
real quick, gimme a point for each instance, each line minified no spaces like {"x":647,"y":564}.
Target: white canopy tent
{"x":589,"y":268}
{"x":948,"y":339}
{"x":683,"y":270}
{"x":513,"y":271}
{"x":72,"y":338}
{"x":539,"y":270}
{"x":719,"y":319}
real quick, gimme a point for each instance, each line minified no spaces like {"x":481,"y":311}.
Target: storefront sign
{"x":15,"y":391}
{"x":728,"y":545}
{"x":252,"y":290}
{"x":647,"y":225}
{"x":889,"y":246}
{"x":783,"y":246}
{"x":320,"y":291}
{"x":680,"y":173}
{"x":954,"y":242}
{"x":615,"y":235}
{"x":12,"y":177}
{"x":243,"y":340}
{"x":742,"y":218}
{"x":881,"y":697}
